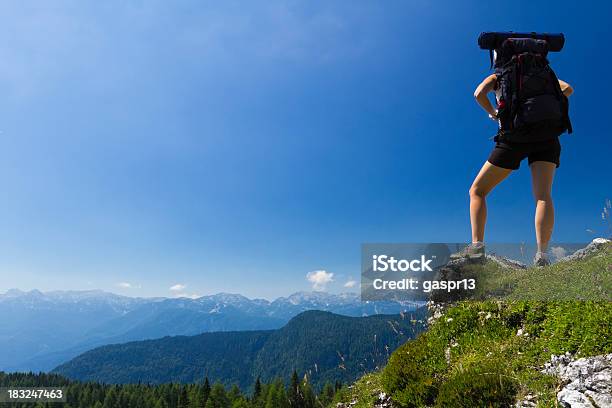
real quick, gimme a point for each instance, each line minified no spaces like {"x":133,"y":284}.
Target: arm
{"x":481,"y":93}
{"x":566,"y":88}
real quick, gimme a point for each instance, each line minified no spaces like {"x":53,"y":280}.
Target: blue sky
{"x":238,"y":146}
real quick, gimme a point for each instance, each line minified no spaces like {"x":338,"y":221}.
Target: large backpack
{"x":531,"y":106}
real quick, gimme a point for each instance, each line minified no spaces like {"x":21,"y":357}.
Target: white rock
{"x":594,"y":246}
{"x":587,"y":382}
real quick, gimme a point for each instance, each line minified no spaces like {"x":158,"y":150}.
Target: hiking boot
{"x":473,"y":252}
{"x":540,"y":259}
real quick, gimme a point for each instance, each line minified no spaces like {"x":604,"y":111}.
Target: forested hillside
{"x":323,"y":345}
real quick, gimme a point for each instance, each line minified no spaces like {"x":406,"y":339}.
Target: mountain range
{"x":321,"y":345}
{"x":40,"y":330}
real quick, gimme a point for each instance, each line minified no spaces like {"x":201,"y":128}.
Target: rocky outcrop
{"x":594,"y":246}
{"x":528,"y":401}
{"x":506,"y":262}
{"x":382,"y":401}
{"x":458,"y":269}
{"x":587,"y":382}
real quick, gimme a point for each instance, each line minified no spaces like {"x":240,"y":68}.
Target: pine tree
{"x":327,"y":394}
{"x":241,"y":403}
{"x":111,"y":398}
{"x":310,"y":400}
{"x":271,"y":397}
{"x":276,"y":396}
{"x":257,"y":388}
{"x":161,"y":403}
{"x":123,"y":398}
{"x":183,"y":399}
{"x":234,"y":393}
{"x":199,"y":393}
{"x":296,"y":398}
{"x":205,"y":391}
{"x":218,"y":397}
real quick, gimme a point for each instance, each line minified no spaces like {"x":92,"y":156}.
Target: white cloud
{"x":177,"y":287}
{"x":126,"y":285}
{"x":187,"y":295}
{"x":558,"y":252}
{"x":319,"y":279}
{"x":350,"y":283}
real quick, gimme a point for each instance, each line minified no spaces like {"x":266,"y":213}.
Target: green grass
{"x":364,"y":391}
{"x":587,"y":279}
{"x":482,"y":334}
{"x":473,"y":355}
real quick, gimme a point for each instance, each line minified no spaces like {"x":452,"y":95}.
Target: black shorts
{"x":509,"y":155}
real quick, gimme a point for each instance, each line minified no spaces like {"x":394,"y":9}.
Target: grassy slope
{"x":363,"y":392}
{"x":473,"y":352}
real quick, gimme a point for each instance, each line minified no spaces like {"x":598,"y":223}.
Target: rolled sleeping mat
{"x":492,"y":40}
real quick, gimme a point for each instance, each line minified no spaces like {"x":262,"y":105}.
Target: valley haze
{"x":40,"y":330}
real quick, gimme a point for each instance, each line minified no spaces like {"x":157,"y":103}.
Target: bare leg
{"x":488,"y":177}
{"x":542,"y":175}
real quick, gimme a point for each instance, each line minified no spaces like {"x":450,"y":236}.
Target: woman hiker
{"x":543,"y":159}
